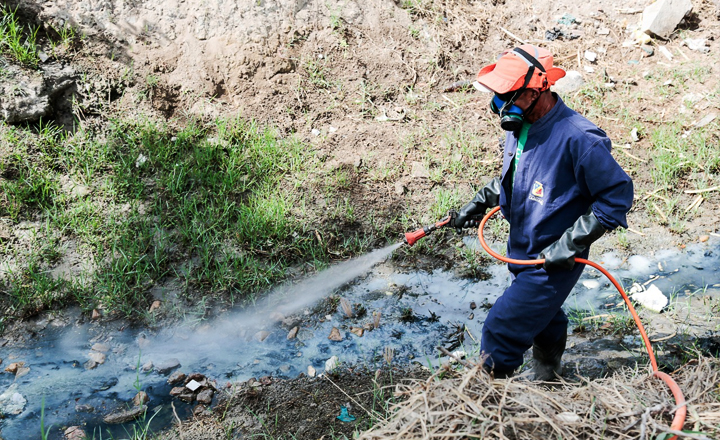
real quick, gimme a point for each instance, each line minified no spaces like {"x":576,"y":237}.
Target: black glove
{"x":487,"y":197}
{"x":561,"y":254}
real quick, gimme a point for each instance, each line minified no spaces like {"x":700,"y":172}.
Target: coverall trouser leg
{"x":530,"y":310}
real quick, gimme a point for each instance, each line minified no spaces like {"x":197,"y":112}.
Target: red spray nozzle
{"x":412,"y":237}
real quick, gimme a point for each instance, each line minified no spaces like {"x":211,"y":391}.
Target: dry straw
{"x":628,"y":405}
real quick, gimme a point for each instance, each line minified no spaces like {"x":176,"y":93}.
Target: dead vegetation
{"x":628,"y":405}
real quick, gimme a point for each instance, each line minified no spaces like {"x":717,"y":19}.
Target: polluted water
{"x":370,"y":306}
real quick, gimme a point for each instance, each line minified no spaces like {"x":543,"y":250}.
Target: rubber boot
{"x":548,"y":361}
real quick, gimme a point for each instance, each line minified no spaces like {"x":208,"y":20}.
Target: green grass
{"x":16,"y":40}
{"x":225,"y":208}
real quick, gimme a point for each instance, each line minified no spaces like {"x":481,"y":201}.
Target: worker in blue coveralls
{"x":560,"y":190}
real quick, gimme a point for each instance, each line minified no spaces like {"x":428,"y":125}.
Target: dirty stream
{"x":419,"y":310}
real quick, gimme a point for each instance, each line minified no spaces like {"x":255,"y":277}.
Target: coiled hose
{"x":681,"y":411}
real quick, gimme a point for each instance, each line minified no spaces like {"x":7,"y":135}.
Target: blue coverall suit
{"x":565,"y":169}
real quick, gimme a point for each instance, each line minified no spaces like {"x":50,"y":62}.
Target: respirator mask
{"x":503,"y":105}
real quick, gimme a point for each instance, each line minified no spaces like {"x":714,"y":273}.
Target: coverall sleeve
{"x":603,"y":180}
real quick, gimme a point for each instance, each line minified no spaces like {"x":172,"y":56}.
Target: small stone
{"x":176,"y":391}
{"x":125,"y":416}
{"x":634,"y":135}
{"x":419,"y":171}
{"x":311,"y":371}
{"x":589,"y":69}
{"x":293,"y":332}
{"x":84,"y":408}
{"x":357,"y":331}
{"x":199,"y":377}
{"x":176,"y":377}
{"x":471,"y":317}
{"x":193,"y":385}
{"x":400,"y":188}
{"x":102,"y":348}
{"x":90,"y":365}
{"x":603,"y":31}
{"x":147,"y":366}
{"x":473,"y":305}
{"x":155,"y":306}
{"x":571,"y":82}
{"x":704,"y":238}
{"x":205,"y":396}
{"x":74,"y":433}
{"x":95,"y":314}
{"x":315,"y":132}
{"x":332,"y":129}
{"x":261,"y":335}
{"x":335,"y":335}
{"x":13,"y":368}
{"x":97,"y":357}
{"x":649,"y":51}
{"x":199,"y":410}
{"x":590,"y":56}
{"x":167,"y":366}
{"x":140,"y":398}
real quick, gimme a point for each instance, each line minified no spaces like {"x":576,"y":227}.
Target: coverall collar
{"x":550,"y":116}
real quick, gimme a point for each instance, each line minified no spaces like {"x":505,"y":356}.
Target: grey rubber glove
{"x":487,"y":197}
{"x":561,"y":254}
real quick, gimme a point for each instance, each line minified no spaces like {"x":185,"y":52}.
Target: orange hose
{"x":681,"y":411}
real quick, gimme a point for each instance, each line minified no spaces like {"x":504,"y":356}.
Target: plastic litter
{"x":345,"y":415}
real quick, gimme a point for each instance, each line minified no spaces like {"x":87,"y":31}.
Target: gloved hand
{"x":561,"y":254}
{"x":487,"y":197}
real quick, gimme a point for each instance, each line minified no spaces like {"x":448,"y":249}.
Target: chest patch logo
{"x":537,"y":189}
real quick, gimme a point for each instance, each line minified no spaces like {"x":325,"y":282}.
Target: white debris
{"x":589,"y":69}
{"x":193,"y":385}
{"x":311,"y":371}
{"x":591,"y":284}
{"x":634,"y":135}
{"x":332,"y":129}
{"x":315,"y":132}
{"x":568,"y":417}
{"x":332,"y":363}
{"x":652,"y":298}
{"x":590,"y":56}
{"x":664,"y":50}
{"x":697,"y":44}
{"x":141,"y":159}
{"x":12,"y":402}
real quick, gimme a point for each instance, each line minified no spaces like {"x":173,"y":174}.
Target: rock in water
{"x":125,"y":416}
{"x":167,"y":366}
{"x":335,"y":335}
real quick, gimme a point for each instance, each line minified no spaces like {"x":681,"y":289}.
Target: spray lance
{"x":412,"y":237}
